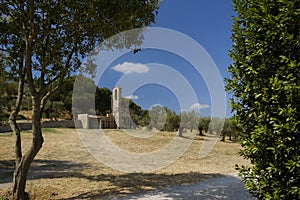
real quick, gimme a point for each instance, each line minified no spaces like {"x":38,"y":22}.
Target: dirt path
{"x":227,"y":187}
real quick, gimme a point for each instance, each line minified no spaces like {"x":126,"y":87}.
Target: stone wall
{"x":46,"y":124}
{"x":22,"y":125}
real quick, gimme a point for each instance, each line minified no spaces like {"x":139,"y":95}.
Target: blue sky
{"x":208,"y":23}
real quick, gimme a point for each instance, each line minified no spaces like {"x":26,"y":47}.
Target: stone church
{"x":119,"y":118}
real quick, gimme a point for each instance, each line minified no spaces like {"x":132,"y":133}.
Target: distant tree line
{"x":59,"y":106}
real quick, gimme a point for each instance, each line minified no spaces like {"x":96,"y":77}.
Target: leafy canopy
{"x":56,"y":35}
{"x":265,"y":84}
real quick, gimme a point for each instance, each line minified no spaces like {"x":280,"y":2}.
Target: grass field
{"x":64,"y":169}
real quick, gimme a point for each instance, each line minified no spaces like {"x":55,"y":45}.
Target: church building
{"x":119,"y":118}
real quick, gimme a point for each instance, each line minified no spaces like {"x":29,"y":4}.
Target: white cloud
{"x":130,"y":68}
{"x":132,"y":97}
{"x":196,"y":106}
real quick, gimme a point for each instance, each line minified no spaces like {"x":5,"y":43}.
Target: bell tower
{"x":116,"y":105}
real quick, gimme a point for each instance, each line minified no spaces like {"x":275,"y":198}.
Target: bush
{"x":265,"y":84}
{"x":21,"y":117}
{"x":4,"y":116}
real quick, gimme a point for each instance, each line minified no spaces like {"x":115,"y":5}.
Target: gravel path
{"x":227,"y":187}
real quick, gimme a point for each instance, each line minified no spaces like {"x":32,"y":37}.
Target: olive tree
{"x":190,"y":119}
{"x":265,"y":83}
{"x":43,"y":41}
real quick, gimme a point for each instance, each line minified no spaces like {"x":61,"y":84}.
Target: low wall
{"x":59,"y":124}
{"x":46,"y":124}
{"x":22,"y":126}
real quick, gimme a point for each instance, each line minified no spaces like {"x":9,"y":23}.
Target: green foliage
{"x":60,"y":102}
{"x":161,"y":118}
{"x":9,"y":91}
{"x":216,"y":125}
{"x":190,"y":120}
{"x":65,"y":94}
{"x":58,"y":34}
{"x":158,"y":117}
{"x":54,"y":110}
{"x":21,"y":117}
{"x":26,"y":101}
{"x":172,"y":121}
{"x":230,"y":129}
{"x":103,"y":101}
{"x":139,"y":116}
{"x":84,"y":96}
{"x":265,"y":84}
{"x":204,"y":123}
{"x":4,"y":116}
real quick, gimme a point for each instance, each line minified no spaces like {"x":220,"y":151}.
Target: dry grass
{"x":64,"y":169}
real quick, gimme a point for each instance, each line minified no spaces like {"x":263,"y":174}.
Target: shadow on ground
{"x":223,"y":187}
{"x":122,"y":184}
{"x":137,"y":183}
{"x":40,"y":169}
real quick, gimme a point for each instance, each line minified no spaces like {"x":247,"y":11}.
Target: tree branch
{"x":61,"y":77}
{"x":28,"y":52}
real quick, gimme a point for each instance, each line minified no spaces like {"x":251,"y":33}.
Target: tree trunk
{"x":180,"y":130}
{"x":23,"y":162}
{"x":21,"y":172}
{"x":13,"y":120}
{"x":200,"y":129}
{"x":14,"y":126}
{"x":19,"y":181}
{"x":223,"y":138}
